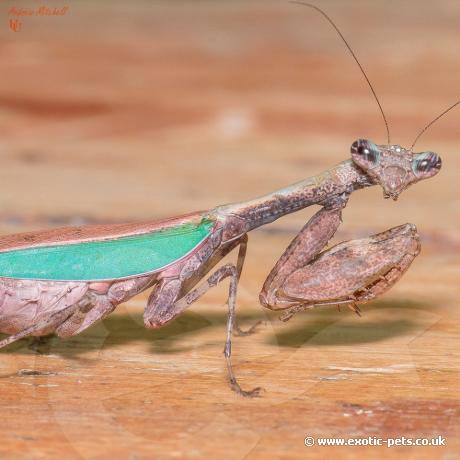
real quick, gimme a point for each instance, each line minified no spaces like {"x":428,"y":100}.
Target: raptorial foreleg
{"x":351,"y":272}
{"x":302,"y":250}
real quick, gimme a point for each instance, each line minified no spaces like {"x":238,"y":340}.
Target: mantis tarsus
{"x":62,"y":281}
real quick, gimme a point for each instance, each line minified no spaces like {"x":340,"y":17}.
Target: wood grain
{"x":128,"y":111}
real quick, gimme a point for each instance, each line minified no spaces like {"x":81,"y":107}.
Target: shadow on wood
{"x":126,"y":328}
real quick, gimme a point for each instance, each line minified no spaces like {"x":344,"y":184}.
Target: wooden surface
{"x":129,"y":111}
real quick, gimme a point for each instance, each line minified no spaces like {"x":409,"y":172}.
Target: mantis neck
{"x":243,"y":217}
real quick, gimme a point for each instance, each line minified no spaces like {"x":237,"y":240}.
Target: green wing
{"x":105,"y":259}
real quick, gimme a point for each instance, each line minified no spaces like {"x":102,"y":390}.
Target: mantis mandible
{"x":62,"y":281}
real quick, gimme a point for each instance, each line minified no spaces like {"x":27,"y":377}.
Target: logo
{"x":15,"y":25}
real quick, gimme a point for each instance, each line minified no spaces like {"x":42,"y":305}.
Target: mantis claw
{"x":354,"y":307}
{"x":242,"y":333}
{"x":254,"y":393}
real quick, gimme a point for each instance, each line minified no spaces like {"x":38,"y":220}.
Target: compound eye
{"x":365,"y":151}
{"x":426,"y":163}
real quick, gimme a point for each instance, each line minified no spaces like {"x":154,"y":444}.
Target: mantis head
{"x":394,"y":167}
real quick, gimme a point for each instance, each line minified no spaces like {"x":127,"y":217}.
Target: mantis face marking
{"x":394,"y":167}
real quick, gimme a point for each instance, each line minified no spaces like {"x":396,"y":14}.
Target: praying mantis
{"x":63,"y":280}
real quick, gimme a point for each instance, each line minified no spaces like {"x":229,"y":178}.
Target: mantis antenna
{"x":432,"y":122}
{"x":310,"y":5}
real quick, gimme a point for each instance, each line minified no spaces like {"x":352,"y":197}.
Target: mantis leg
{"x":97,"y":304}
{"x":239,"y":268}
{"x":168,"y":300}
{"x":67,"y":322}
{"x":67,"y":310}
{"x":301,"y":251}
{"x":49,"y":323}
{"x":349,"y":273}
{"x":353,"y":272}
{"x":88,"y":312}
{"x":53,"y":304}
